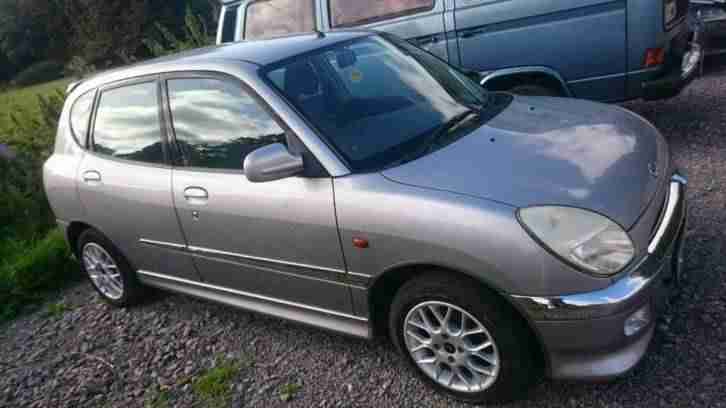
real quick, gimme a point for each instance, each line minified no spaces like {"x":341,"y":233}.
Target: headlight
{"x":588,"y":240}
{"x":670,"y":11}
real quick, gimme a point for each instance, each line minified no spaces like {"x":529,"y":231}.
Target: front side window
{"x":217,"y":123}
{"x":80,"y":115}
{"x":379,"y":102}
{"x":270,"y":18}
{"x":127,"y":124}
{"x":349,"y":13}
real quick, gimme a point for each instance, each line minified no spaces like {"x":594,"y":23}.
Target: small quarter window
{"x":217,"y":124}
{"x":349,"y":13}
{"x":229,"y":25}
{"x":270,"y":18}
{"x":127,"y":124}
{"x":80,"y":114}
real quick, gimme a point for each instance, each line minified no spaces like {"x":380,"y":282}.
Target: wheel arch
{"x":504,"y":79}
{"x":385,"y":286}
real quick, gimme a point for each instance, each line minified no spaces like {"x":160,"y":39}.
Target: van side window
{"x":229,"y":27}
{"x":349,"y":13}
{"x":269,"y":18}
{"x":217,"y":124}
{"x":80,"y":114}
{"x":127,"y":124}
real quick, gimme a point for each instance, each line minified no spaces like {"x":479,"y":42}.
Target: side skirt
{"x":322,"y":318}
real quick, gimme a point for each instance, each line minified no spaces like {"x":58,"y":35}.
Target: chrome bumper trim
{"x":625,"y":293}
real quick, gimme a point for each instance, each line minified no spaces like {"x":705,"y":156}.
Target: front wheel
{"x":463,"y":339}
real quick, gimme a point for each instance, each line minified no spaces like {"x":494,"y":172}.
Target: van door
{"x":582,"y":40}
{"x":419,"y":21}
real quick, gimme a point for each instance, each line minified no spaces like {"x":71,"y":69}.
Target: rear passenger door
{"x":124,"y":179}
{"x":419,"y":21}
{"x":277,"y":239}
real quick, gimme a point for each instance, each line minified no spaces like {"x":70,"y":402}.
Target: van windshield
{"x":380,"y":102}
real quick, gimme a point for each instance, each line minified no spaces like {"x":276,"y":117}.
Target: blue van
{"x":605,"y":50}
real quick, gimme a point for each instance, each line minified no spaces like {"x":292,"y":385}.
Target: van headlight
{"x":583,"y":238}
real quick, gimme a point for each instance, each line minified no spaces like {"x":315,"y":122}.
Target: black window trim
{"x":243,"y":24}
{"x":237,"y":8}
{"x":153,"y":78}
{"x":377,"y":19}
{"x":291,"y":139}
{"x":85,"y":145}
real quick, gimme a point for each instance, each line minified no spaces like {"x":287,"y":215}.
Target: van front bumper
{"x":590,"y":336}
{"x":682,"y":67}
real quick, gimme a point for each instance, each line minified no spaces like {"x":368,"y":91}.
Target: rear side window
{"x":80,"y":115}
{"x":229,"y":26}
{"x":217,"y":124}
{"x":349,"y":13}
{"x":127,"y":124}
{"x":270,"y":18}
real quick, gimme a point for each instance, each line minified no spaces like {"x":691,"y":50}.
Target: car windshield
{"x":380,"y":102}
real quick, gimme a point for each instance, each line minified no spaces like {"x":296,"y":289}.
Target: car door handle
{"x":196,"y":195}
{"x":91,"y":177}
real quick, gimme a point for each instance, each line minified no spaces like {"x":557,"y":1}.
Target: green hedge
{"x":44,"y":71}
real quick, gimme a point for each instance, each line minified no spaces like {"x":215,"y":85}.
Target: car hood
{"x":551,"y":151}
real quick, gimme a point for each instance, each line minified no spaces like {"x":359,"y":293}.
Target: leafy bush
{"x":33,"y":257}
{"x":79,"y":67}
{"x":196,"y":35}
{"x":29,"y":267}
{"x":43,"y":71}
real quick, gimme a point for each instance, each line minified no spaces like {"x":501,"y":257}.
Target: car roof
{"x":258,"y":52}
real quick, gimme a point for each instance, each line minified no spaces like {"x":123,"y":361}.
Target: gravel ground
{"x":93,"y":355}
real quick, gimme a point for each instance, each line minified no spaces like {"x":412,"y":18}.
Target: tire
{"x":125,"y":290}
{"x":534,"y":90}
{"x":514,"y":350}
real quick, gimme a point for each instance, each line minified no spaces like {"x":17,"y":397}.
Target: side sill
{"x":325,"y":319}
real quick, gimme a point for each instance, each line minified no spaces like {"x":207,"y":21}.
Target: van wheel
{"x":463,"y":339}
{"x":108,"y":270}
{"x":534,"y":90}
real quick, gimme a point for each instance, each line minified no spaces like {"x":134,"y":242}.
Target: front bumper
{"x":681,"y":68}
{"x":583,"y":334}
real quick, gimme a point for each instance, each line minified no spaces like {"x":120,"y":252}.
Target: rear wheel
{"x":463,"y":339}
{"x":108,"y":270}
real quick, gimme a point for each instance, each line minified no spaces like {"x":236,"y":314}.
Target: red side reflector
{"x":654,"y":57}
{"x":360,"y":243}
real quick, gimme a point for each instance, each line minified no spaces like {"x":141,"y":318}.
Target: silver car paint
{"x":285,"y":248}
{"x":550,"y":151}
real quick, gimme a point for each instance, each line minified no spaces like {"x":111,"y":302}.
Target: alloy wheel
{"x":103,"y":271}
{"x":451,"y":346}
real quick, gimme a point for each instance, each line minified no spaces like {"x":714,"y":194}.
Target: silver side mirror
{"x":271,"y":162}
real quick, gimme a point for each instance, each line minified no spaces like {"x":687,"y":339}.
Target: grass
{"x":156,"y":398}
{"x":213,"y":386}
{"x":26,"y":99}
{"x":57,"y":309}
{"x":29,"y":269}
{"x":288,"y":391}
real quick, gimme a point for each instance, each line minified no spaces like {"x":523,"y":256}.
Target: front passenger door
{"x":277,"y":239}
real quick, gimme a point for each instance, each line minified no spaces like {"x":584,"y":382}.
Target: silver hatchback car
{"x":356,"y":183}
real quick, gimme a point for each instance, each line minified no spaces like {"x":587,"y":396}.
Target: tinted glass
{"x":269,"y":18}
{"x":80,"y":114}
{"x":354,"y":92}
{"x":346,"y":13}
{"x":127,"y":124}
{"x":217,"y":123}
{"x":230,"y":24}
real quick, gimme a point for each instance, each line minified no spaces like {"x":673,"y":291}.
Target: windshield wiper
{"x":434,"y":138}
{"x":449,"y":127}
